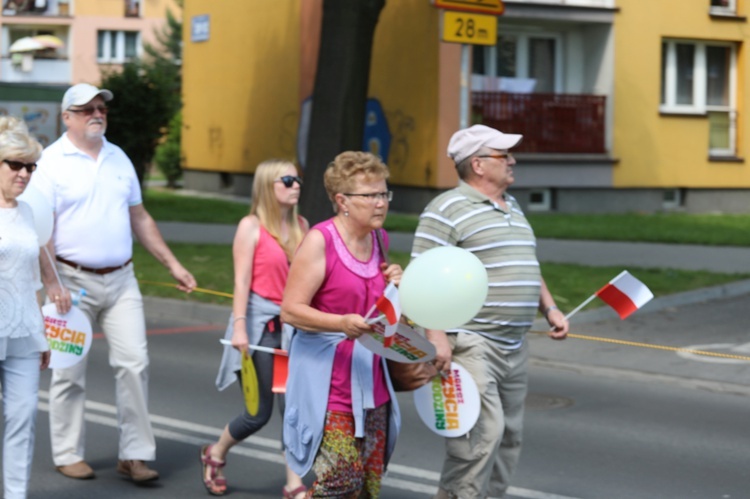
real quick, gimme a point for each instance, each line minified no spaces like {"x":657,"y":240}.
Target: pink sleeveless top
{"x":350,"y":286}
{"x":270,"y":268}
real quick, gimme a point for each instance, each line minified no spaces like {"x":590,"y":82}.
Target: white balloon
{"x":44,"y":219}
{"x":443,"y":288}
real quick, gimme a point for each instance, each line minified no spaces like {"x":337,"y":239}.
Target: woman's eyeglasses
{"x":289,"y":180}
{"x":89,"y":110}
{"x":373,"y":196}
{"x":17,"y":166}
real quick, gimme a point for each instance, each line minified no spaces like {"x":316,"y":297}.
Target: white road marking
{"x":408,"y":473}
{"x":742,"y":349}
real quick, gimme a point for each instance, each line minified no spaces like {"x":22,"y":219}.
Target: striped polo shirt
{"x":504,"y":242}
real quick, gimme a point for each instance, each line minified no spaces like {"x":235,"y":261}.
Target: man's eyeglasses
{"x":373,"y":196}
{"x":17,"y":166}
{"x":89,"y":110}
{"x":289,"y":180}
{"x":505,"y":155}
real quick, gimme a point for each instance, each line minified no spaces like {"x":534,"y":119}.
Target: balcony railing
{"x":571,"y":3}
{"x":41,"y":71}
{"x":30,"y":8}
{"x":550,"y":123}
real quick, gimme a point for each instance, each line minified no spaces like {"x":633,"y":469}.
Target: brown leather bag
{"x":408,"y":377}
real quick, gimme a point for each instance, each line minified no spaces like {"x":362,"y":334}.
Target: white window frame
{"x":522,"y":55}
{"x":730,"y":9}
{"x":119,"y":56}
{"x":699,"y":106}
{"x":672,"y":199}
{"x":545,"y":204}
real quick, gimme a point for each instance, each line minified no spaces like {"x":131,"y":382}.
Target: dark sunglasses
{"x":89,"y":110}
{"x":16,"y":166}
{"x":289,"y":180}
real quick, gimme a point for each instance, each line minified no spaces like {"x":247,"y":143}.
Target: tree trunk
{"x":340,"y":93}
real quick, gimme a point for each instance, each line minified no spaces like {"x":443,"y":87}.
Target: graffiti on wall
{"x":42,"y":118}
{"x":386,"y":134}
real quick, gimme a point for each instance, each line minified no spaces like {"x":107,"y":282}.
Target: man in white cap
{"x":480,"y":216}
{"x":96,"y":196}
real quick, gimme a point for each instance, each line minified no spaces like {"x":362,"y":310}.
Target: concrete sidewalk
{"x":593,"y":253}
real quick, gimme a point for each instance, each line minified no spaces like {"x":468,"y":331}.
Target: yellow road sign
{"x":474,"y":29}
{"x":495,"y":7}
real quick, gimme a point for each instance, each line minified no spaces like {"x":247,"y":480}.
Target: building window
{"x":540,"y":200}
{"x":117,"y":46}
{"x":700,"y":78}
{"x":724,"y":7}
{"x":521,"y":63}
{"x":672,"y":199}
{"x":132,"y":8}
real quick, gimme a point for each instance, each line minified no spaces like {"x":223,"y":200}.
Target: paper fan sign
{"x":250,"y":385}
{"x":69,"y":336}
{"x":408,"y":344}
{"x":449,"y":405}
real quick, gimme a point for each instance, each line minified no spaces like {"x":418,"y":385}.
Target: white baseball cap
{"x":468,"y":141}
{"x":82,"y":93}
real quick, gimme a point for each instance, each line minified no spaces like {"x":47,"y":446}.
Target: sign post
{"x":464,"y":22}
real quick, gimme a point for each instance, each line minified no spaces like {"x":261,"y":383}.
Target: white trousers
{"x":19,"y":375}
{"x":114,"y":302}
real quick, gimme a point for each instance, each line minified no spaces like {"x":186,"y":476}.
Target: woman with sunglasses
{"x":341,"y":418}
{"x":23,"y":344}
{"x":265,"y":242}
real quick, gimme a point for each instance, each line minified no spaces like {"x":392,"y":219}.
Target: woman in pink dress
{"x":265,"y":242}
{"x":341,"y":418}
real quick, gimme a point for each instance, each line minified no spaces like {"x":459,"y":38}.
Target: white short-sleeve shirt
{"x":92,"y":200}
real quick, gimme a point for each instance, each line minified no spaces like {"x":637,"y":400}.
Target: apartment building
{"x":78,"y":40}
{"x":624,"y":105}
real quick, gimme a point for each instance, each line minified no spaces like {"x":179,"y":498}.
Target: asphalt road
{"x":604,"y":420}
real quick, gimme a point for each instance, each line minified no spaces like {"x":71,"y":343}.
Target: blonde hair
{"x":265,"y":206}
{"x":15,"y":141}
{"x":340,"y":174}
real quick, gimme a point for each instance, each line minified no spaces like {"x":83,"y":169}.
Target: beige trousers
{"x":115,"y":303}
{"x":480,"y":463}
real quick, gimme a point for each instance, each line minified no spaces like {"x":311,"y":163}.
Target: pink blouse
{"x":351,"y":286}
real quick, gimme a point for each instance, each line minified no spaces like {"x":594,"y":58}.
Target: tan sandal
{"x":215,"y":485}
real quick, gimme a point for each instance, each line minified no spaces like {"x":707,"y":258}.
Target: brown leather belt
{"x":105,"y":270}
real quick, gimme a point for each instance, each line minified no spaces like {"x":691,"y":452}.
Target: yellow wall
{"x":240,"y":88}
{"x":243,"y":88}
{"x":669,"y":151}
{"x":404,"y":78}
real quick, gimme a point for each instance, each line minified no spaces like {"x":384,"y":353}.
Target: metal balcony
{"x":550,"y":123}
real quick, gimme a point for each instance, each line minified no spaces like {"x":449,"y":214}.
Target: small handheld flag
{"x":625,"y":294}
{"x":389,"y":305}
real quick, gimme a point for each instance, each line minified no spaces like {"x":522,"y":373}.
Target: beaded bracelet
{"x":239,"y":318}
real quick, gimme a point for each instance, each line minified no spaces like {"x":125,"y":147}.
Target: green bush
{"x":167,"y":156}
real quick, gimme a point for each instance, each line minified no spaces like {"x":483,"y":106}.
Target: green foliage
{"x":571,"y":284}
{"x":167,"y":156}
{"x":147,"y":96}
{"x":169,"y":207}
{"x":677,"y":228}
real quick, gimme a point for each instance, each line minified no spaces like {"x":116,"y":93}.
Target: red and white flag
{"x":390,"y":306}
{"x":625,"y":294}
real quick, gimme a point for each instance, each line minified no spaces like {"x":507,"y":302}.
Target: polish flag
{"x":280,"y":373}
{"x":625,"y":294}
{"x":390,"y":306}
